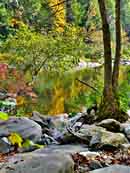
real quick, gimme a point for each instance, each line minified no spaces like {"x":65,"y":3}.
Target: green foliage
{"x":5,"y":13}
{"x":36,"y":13}
{"x":124,"y":95}
{"x":7,"y":106}
{"x":125,"y":12}
{"x":27,"y":143}
{"x":4,"y":116}
{"x":93,"y":52}
{"x":126,"y":51}
{"x":4,"y":21}
{"x":79,"y":12}
{"x":16,"y":139}
{"x":124,"y":90}
{"x":86,"y":13}
{"x":40,"y":16}
{"x":20,"y":112}
{"x":34,"y":52}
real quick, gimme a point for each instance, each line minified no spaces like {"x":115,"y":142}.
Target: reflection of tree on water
{"x":59,"y":94}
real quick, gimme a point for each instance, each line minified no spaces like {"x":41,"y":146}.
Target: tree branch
{"x":88,"y":85}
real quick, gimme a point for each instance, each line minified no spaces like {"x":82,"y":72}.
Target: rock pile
{"x":66,"y":147}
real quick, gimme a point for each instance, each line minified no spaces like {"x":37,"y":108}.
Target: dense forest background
{"x":44,"y":41}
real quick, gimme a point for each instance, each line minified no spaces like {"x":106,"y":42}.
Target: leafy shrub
{"x":33,"y":52}
{"x":4,"y":116}
{"x":126,"y":51}
{"x":124,"y":95}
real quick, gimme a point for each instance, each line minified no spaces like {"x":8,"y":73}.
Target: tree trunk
{"x":109,"y":107}
{"x":118,"y":47}
{"x":107,"y":94}
{"x":107,"y":48}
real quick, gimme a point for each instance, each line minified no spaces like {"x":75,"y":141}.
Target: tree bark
{"x":118,"y":47}
{"x":107,"y":49}
{"x":109,"y":107}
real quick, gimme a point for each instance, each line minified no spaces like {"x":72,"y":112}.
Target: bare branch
{"x":88,"y":85}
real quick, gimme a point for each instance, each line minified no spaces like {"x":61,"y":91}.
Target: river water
{"x":62,"y":93}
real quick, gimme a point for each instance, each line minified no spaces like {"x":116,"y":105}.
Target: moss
{"x":119,"y":115}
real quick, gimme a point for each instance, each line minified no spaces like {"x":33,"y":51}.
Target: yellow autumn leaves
{"x":15,"y":139}
{"x":58,"y":9}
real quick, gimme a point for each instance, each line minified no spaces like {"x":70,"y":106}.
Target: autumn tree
{"x":110,"y":106}
{"x":58,"y":13}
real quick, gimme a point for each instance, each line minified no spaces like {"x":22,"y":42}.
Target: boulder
{"x":95,"y":164}
{"x":27,"y":128}
{"x":75,"y":118}
{"x":39,"y":163}
{"x":66,"y":138}
{"x":110,"y":124}
{"x":99,"y":136}
{"x":60,"y":121}
{"x":2,"y":95}
{"x":47,"y":140}
{"x":125,"y":147}
{"x":51,"y":125}
{"x":126,"y":129}
{"x":38,"y":118}
{"x":4,"y":146}
{"x":67,"y":149}
{"x":93,"y":135}
{"x":128,"y":112}
{"x":113,"y":169}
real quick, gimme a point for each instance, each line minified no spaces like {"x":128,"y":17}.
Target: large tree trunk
{"x":107,"y":48}
{"x":109,"y":107}
{"x":118,"y":47}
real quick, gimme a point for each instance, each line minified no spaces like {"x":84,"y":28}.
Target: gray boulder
{"x":93,"y":135}
{"x":67,"y":149}
{"x":113,"y":169}
{"x":125,"y":147}
{"x":60,"y":121}
{"x":95,"y":164}
{"x":27,"y":128}
{"x":100,"y":136}
{"x":111,"y":125}
{"x":4,"y":146}
{"x":126,"y":129}
{"x":3,"y":94}
{"x":36,"y":116}
{"x":40,"y":119}
{"x":39,"y":163}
